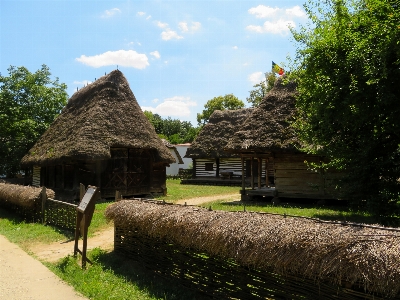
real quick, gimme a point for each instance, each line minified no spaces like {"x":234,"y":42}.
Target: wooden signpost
{"x":84,"y":216}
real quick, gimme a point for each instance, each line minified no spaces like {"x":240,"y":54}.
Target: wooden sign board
{"x":86,"y":199}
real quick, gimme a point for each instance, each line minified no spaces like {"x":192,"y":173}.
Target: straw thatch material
{"x":22,"y":196}
{"x":214,"y":136}
{"x":267,"y":128}
{"x":343,"y":255}
{"x":99,"y":116}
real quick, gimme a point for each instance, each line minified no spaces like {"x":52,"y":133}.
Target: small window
{"x":209,"y":166}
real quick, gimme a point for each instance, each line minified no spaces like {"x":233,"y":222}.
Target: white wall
{"x":173,"y":169}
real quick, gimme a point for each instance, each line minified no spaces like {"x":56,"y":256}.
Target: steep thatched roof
{"x":267,"y":128}
{"x":213,"y":137}
{"x":173,"y":148}
{"x":99,"y":116}
{"x":290,"y":246}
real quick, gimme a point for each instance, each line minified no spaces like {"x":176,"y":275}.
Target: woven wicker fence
{"x":234,"y":256}
{"x":36,"y":204}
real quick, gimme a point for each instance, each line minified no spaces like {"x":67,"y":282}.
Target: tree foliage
{"x":29,"y":102}
{"x":261,"y":89}
{"x":173,"y":130}
{"x":349,"y":94}
{"x":228,"y":101}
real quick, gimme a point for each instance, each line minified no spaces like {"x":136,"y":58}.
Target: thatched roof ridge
{"x":212,"y":139}
{"x":99,"y":116}
{"x":23,"y":196}
{"x":173,"y":148}
{"x":267,"y":128}
{"x":290,"y":246}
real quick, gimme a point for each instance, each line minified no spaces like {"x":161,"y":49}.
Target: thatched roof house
{"x":267,"y":137}
{"x":207,"y":150}
{"x":267,"y":128}
{"x":214,"y":136}
{"x":101,"y":121}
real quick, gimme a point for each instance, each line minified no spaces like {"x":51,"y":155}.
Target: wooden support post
{"x":266,"y":173}
{"x":259,"y":162}
{"x":194,"y":168}
{"x":217,"y":172}
{"x":85,"y":212}
{"x":252,"y":175}
{"x":117,"y":196}
{"x":243,"y":175}
{"x":44,"y":198}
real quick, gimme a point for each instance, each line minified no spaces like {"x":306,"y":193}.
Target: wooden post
{"x":44,"y":198}
{"x":251,"y":170}
{"x":117,"y":196}
{"x":85,"y":212}
{"x":266,"y":173}
{"x":217,"y":173}
{"x":259,"y":161}
{"x":243,"y":175}
{"x":194,"y":168}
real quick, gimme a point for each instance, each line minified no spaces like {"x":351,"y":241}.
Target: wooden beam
{"x":252,"y":175}
{"x":243,"y":174}
{"x":266,"y":173}
{"x":259,"y":163}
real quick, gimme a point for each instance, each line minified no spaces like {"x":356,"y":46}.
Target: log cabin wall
{"x":293,"y":178}
{"x":205,"y":167}
{"x":231,"y":164}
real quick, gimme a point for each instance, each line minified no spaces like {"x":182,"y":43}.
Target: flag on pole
{"x":277,"y":69}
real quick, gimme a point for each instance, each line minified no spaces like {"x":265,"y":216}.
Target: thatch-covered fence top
{"x":100,"y":116}
{"x":267,"y":128}
{"x":23,"y":196}
{"x":332,"y":253}
{"x":212,"y":139}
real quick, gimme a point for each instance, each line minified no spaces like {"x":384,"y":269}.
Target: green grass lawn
{"x":177,"y":191}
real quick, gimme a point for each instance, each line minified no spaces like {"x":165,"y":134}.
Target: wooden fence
{"x":220,"y":278}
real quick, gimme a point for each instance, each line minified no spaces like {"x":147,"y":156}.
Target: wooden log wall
{"x":231,"y":164}
{"x":201,"y":167}
{"x":293,"y":178}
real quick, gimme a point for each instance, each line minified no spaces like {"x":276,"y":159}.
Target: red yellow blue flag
{"x":277,"y":69}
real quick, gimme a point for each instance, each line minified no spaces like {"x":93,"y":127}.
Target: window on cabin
{"x":209,"y":166}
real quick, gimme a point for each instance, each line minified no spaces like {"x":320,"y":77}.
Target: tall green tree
{"x":173,"y":130}
{"x":218,"y":103}
{"x":261,"y":89}
{"x":348,"y":77}
{"x":29,"y":102}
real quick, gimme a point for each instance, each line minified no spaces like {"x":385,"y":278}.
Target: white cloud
{"x":183,"y":26}
{"x":125,"y":58}
{"x":161,"y":24}
{"x":235,"y":47}
{"x":141,"y":13}
{"x":256,"y":77}
{"x":156,"y":54}
{"x":110,"y":13}
{"x":155,"y":100}
{"x":263,"y":11}
{"x":175,"y":106}
{"x":149,"y":17}
{"x":278,"y":19}
{"x":83,"y":82}
{"x":296,"y":11}
{"x":276,"y":27}
{"x":169,"y":34}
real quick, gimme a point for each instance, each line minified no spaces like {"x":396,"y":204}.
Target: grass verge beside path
{"x":329,"y":213}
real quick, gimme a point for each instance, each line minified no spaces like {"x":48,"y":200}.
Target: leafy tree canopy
{"x":218,"y":103}
{"x":348,"y":77}
{"x":173,"y":130}
{"x":29,"y":102}
{"x":261,"y":89}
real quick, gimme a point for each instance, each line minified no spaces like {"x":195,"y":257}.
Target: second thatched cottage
{"x":101,"y":138}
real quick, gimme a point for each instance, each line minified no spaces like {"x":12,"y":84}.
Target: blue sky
{"x":176,"y":55}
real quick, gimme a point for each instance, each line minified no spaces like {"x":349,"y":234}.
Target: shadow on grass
{"x":16,"y":220}
{"x":121,"y":274}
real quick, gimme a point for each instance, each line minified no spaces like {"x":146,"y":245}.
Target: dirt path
{"x":105,"y":239}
